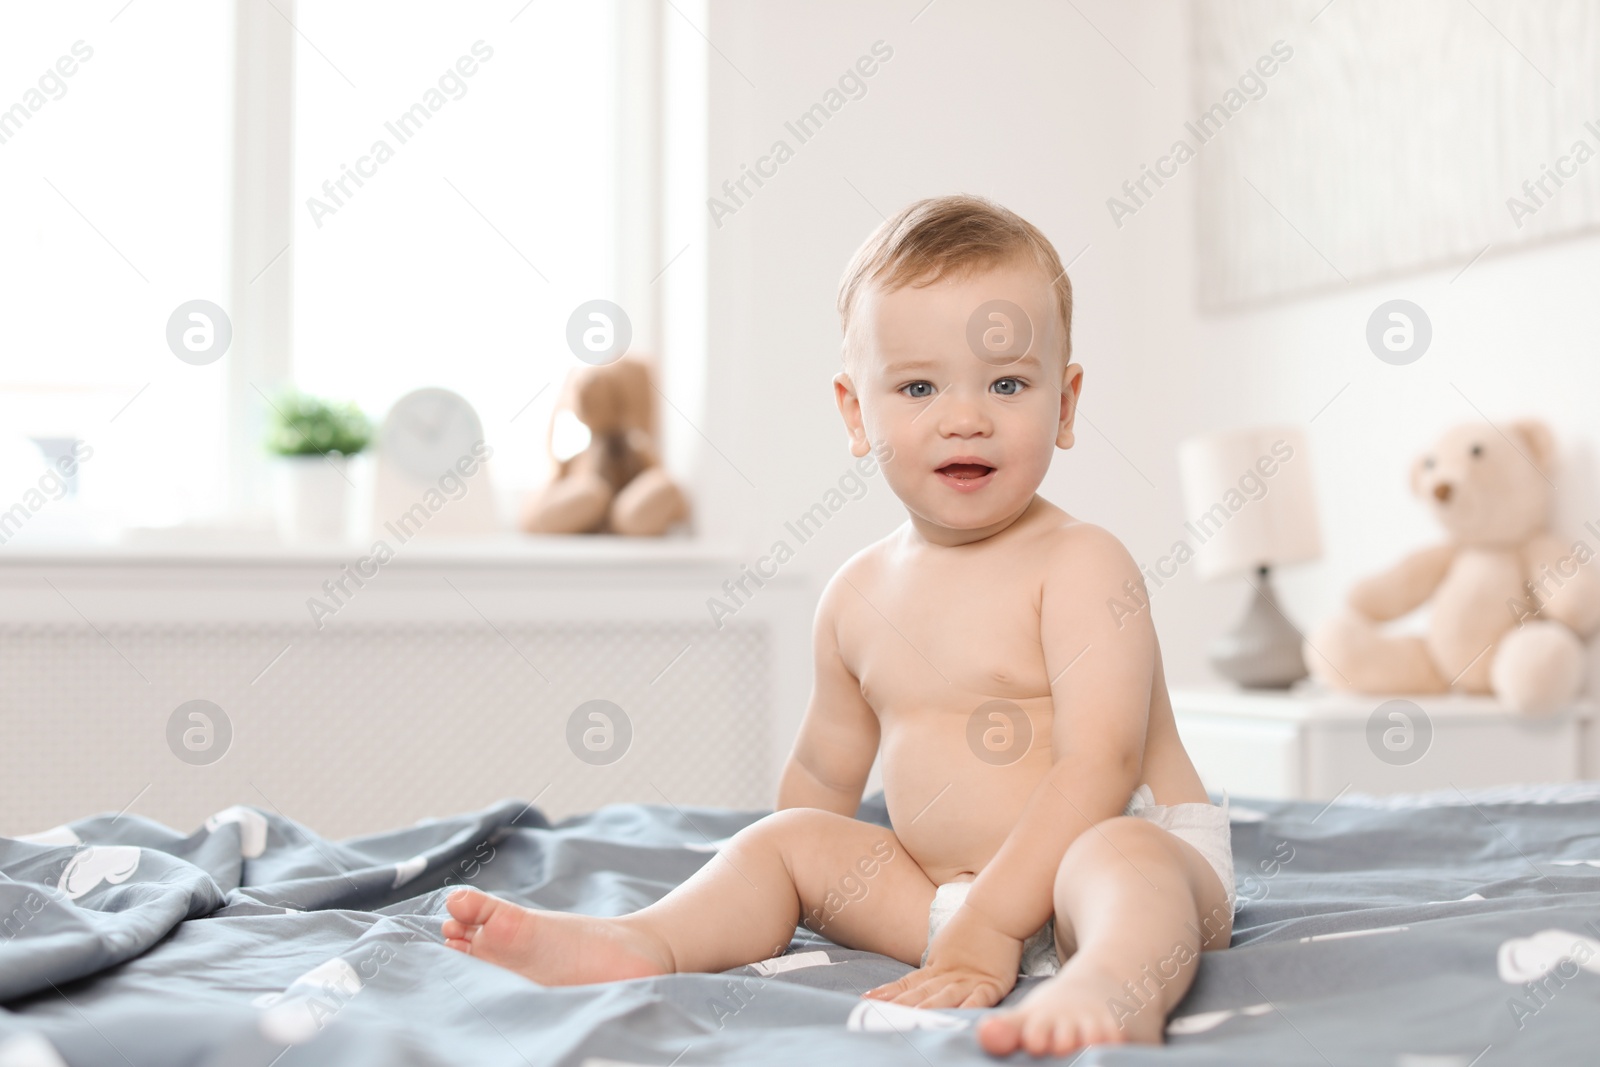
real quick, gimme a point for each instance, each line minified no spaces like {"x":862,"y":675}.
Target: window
{"x":455,"y":201}
{"x":460,"y":179}
{"x":115,"y":171}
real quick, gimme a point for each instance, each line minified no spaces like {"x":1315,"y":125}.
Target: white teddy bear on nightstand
{"x":1511,"y":605}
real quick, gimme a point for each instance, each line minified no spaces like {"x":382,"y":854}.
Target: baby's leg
{"x":1139,"y":906}
{"x":851,"y":881}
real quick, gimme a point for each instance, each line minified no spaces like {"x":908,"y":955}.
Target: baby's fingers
{"x":984,"y":995}
{"x":916,"y":995}
{"x":890,"y":990}
{"x":953,"y":994}
{"x":940,"y":990}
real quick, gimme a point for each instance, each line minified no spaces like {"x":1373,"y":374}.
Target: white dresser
{"x":1313,"y":744}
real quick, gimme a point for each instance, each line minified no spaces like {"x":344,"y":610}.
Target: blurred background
{"x":374,"y":200}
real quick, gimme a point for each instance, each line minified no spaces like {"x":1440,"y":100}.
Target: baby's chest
{"x":929,"y":645}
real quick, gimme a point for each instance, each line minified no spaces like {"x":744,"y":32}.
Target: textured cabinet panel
{"x":372,"y":726}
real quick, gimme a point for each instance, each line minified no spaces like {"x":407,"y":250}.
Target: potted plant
{"x":314,"y":440}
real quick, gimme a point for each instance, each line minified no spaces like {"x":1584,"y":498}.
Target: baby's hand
{"x":970,"y":965}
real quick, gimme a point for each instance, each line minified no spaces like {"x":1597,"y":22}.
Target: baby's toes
{"x":1040,"y":1033}
{"x":1068,"y":1034}
{"x":468,"y":906}
{"x":1100,"y":1030}
{"x":999,"y":1033}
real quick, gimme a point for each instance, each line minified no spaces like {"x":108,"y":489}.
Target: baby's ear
{"x":844,"y":394}
{"x":1071,"y":391}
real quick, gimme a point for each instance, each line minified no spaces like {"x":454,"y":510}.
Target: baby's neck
{"x":924,"y":534}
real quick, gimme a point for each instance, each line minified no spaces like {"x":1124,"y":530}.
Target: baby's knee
{"x":792,"y":824}
{"x":1108,"y":841}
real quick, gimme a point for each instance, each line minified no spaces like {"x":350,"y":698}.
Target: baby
{"x":1046,"y":819}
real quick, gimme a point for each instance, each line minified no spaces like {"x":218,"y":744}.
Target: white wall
{"x":1030,"y":104}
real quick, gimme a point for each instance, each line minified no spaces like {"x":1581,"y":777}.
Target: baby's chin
{"x":966,"y":516}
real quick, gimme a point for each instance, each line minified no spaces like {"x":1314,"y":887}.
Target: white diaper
{"x":1203,"y":825}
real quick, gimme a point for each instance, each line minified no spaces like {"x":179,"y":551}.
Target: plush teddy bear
{"x":1511,"y":604}
{"x":615,"y":483}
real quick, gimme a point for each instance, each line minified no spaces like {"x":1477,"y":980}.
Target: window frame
{"x":262,"y":257}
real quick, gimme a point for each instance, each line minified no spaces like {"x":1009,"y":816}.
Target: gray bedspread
{"x":1465,"y":930}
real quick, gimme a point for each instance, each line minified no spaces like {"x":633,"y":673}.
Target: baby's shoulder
{"x":861,"y":569}
{"x":1068,"y":538}
{"x":1080,"y":556}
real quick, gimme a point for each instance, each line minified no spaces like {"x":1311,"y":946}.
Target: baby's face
{"x":966,"y":382}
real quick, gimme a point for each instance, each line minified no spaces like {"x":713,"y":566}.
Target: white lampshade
{"x":1249,"y":500}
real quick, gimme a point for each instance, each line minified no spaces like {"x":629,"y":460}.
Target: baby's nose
{"x":963,"y":415}
{"x":1441,"y":492}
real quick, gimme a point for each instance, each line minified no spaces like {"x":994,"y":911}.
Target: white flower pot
{"x":313,"y":498}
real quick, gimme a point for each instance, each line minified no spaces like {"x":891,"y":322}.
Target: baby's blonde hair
{"x":951,"y":235}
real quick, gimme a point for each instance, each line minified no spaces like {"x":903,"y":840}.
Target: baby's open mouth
{"x":965,"y":471}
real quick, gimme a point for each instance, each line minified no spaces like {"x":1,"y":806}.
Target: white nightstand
{"x":1313,"y":744}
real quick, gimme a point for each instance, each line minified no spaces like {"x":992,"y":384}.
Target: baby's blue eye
{"x":914,"y":385}
{"x":1016,"y":382}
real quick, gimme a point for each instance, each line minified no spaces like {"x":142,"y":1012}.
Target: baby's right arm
{"x":838,"y":740}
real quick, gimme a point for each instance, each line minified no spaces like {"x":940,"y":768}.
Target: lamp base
{"x":1263,"y":651}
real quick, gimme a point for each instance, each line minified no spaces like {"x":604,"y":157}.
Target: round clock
{"x":428,"y":431}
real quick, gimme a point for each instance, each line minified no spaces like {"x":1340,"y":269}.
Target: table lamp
{"x":1250,"y":496}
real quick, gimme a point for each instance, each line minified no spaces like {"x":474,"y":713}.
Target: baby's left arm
{"x":1100,"y":653}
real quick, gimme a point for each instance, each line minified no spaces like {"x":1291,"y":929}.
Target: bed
{"x":1426,"y":931}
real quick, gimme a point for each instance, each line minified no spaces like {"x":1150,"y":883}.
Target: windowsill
{"x":234,"y":580}
{"x":537,"y":550}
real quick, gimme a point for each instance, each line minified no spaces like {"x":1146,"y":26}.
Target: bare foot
{"x":551,"y":947}
{"x":1070,"y":1011}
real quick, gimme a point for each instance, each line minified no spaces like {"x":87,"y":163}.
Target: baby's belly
{"x":954,"y":792}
